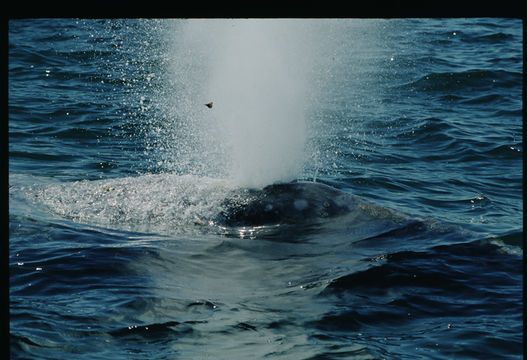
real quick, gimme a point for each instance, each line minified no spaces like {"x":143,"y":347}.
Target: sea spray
{"x":258,"y":87}
{"x":256,"y":74}
{"x":278,"y":98}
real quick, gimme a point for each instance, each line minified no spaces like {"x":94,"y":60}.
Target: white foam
{"x":161,"y":203}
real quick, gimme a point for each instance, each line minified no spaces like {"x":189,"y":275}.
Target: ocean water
{"x":354,"y":192}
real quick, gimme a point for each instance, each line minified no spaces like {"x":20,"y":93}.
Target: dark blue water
{"x":129,"y":238}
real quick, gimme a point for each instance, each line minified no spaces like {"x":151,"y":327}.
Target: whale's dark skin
{"x":285,"y":203}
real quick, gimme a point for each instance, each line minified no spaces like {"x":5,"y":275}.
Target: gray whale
{"x":285,"y":203}
{"x":172,"y":203}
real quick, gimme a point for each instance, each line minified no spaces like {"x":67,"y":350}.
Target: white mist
{"x":255,"y":73}
{"x":258,"y":88}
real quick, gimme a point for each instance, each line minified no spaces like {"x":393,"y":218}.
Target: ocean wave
{"x":476,"y":80}
{"x":439,"y":288}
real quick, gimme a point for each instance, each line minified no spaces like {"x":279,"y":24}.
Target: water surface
{"x":120,"y":180}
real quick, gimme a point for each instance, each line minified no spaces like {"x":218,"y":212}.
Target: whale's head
{"x":287,"y":203}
